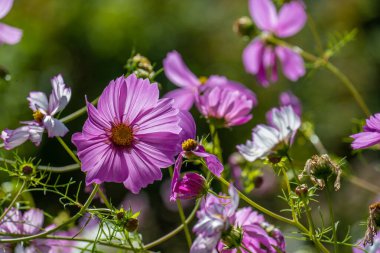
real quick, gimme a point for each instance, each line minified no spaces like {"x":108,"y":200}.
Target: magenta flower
{"x":288,"y":98}
{"x":225,"y":107}
{"x":190,"y":85}
{"x":29,"y":223}
{"x":130,"y":136}
{"x":375,"y":248}
{"x":44,"y":110}
{"x":370,"y":135}
{"x":192,"y":149}
{"x":259,"y":57}
{"x":266,"y":139}
{"x":190,"y":186}
{"x":8,"y":34}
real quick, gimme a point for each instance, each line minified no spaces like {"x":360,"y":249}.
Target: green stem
{"x":48,"y":168}
{"x":182,"y":216}
{"x":294,"y":215}
{"x":104,"y":198}
{"x":216,"y":148}
{"x":329,"y":66}
{"x":19,"y":192}
{"x":68,"y":150}
{"x":329,"y":201}
{"x":175,"y":231}
{"x":78,"y":113}
{"x":43,"y":234}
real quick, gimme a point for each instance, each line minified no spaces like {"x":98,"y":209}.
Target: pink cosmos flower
{"x":190,"y":149}
{"x":190,"y":186}
{"x":130,"y":136}
{"x":220,"y":228}
{"x":190,"y":85}
{"x":288,"y":98}
{"x":259,"y":58}
{"x":225,"y":107}
{"x":44,"y":110}
{"x":8,"y":34}
{"x":370,"y":135}
{"x":266,"y":139}
{"x":29,"y":223}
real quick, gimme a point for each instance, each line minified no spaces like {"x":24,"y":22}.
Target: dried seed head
{"x":372,"y":223}
{"x":321,"y":169}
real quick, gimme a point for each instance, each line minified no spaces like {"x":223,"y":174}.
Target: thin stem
{"x":104,"y":198}
{"x":182,"y":216}
{"x":66,"y":168}
{"x":19,"y":192}
{"x":329,"y":201}
{"x":43,"y":234}
{"x":68,"y":150}
{"x":294,"y":215}
{"x":216,"y":148}
{"x":78,"y":113}
{"x":175,"y":231}
{"x":329,"y":66}
{"x":315,"y":34}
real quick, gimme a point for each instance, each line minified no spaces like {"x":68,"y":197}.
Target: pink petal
{"x":291,"y":19}
{"x":60,"y":95}
{"x":252,"y":56}
{"x":177,"y":71}
{"x":264,"y":14}
{"x":37,"y":101}
{"x":188,"y":126}
{"x":5,"y":7}
{"x":292,"y":63}
{"x":183,"y":98}
{"x":34,"y":219}
{"x":9,"y":35}
{"x":365,"y":140}
{"x":176,"y":173}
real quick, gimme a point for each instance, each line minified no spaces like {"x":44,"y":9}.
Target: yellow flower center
{"x":202,"y":79}
{"x":38,"y":116}
{"x":189,"y":145}
{"x":122,"y":135}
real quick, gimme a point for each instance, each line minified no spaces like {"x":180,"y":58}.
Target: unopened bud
{"x":131,"y":224}
{"x":27,"y":169}
{"x":301,"y":190}
{"x":243,"y":26}
{"x":233,"y":237}
{"x":258,"y":181}
{"x":140,"y":66}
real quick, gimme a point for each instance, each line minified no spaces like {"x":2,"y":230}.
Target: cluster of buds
{"x":126,"y":220}
{"x":372,"y":224}
{"x":321,"y":170}
{"x":140,"y":66}
{"x":233,"y":237}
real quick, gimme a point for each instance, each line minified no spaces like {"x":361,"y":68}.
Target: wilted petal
{"x":264,"y":14}
{"x":292,"y":63}
{"x":9,"y":35}
{"x":54,"y":127}
{"x":183,"y":98}
{"x":38,"y":101}
{"x":291,"y":19}
{"x":177,"y":71}
{"x":5,"y":7}
{"x":14,"y":138}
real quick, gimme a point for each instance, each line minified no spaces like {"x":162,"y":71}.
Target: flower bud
{"x":301,"y":190}
{"x":27,"y":169}
{"x":233,"y":237}
{"x":322,"y":170}
{"x":140,"y":66}
{"x":258,"y":181}
{"x":131,"y":224}
{"x":243,"y":26}
{"x":191,"y":185}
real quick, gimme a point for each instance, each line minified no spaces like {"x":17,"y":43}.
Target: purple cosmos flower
{"x":8,"y":34}
{"x":191,"y":149}
{"x":190,"y":86}
{"x":191,"y":185}
{"x":375,"y":248}
{"x":283,"y":125}
{"x":288,"y":98}
{"x":259,"y":58}
{"x":43,"y":111}
{"x":28,"y":223}
{"x":225,"y":107}
{"x":130,"y":136}
{"x":370,"y":135}
{"x":221,"y":228}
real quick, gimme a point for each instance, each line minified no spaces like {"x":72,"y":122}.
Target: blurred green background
{"x":90,"y":41}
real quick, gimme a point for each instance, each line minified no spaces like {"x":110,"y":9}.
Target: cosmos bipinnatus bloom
{"x":372,"y":224}
{"x":321,"y":169}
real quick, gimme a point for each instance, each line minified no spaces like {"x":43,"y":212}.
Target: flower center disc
{"x":189,"y":145}
{"x":121,"y":135}
{"x":38,"y":116}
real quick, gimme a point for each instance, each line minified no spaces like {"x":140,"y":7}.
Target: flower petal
{"x":291,"y":19}
{"x":292,"y":63}
{"x":365,"y":140}
{"x":38,"y":101}
{"x":33,"y":221}
{"x":14,"y":138}
{"x":212,"y":162}
{"x":60,"y":95}
{"x":253,"y":56}
{"x":177,"y":71}
{"x":9,"y":35}
{"x":203,"y":244}
{"x":176,"y":173}
{"x":54,"y":127}
{"x":264,"y":14}
{"x":183,"y":98}
{"x":187,"y":125}
{"x":5,"y":7}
